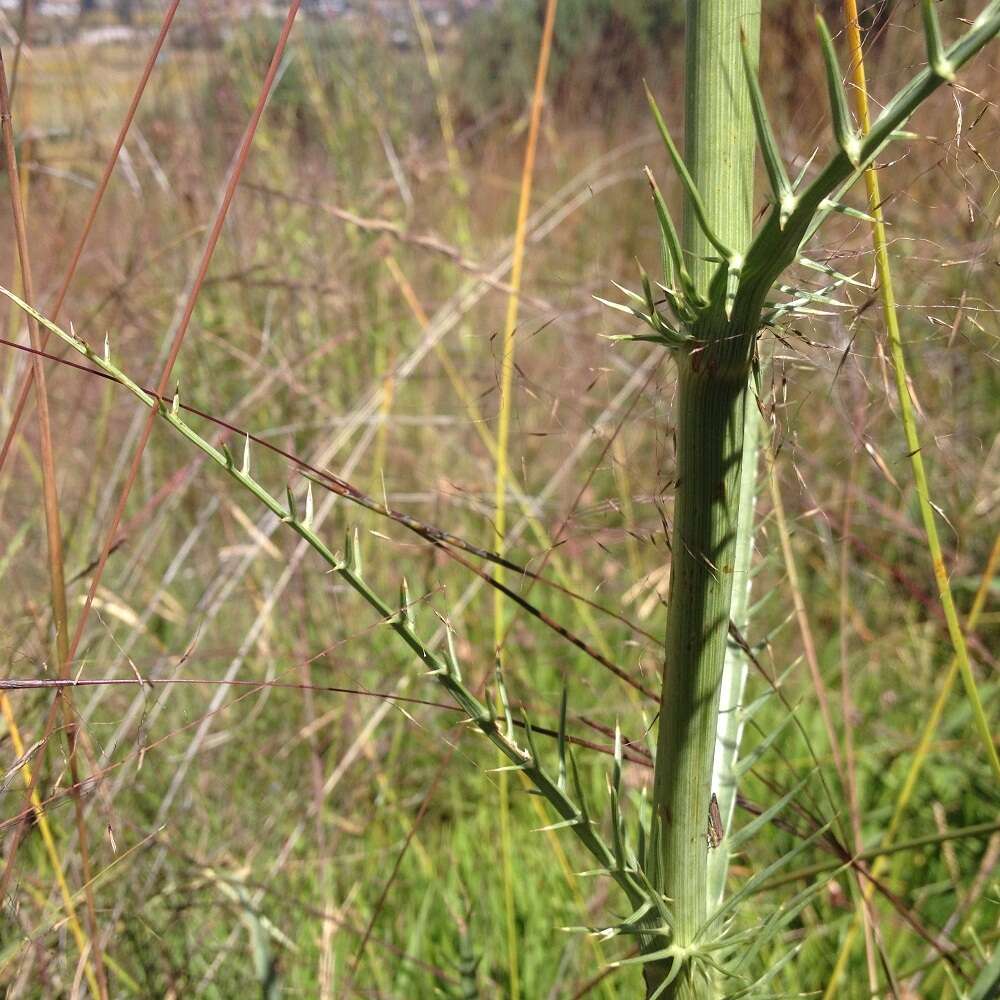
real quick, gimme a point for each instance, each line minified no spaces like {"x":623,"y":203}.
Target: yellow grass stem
{"x":890,"y":313}
{"x":73,"y":922}
{"x":446,"y":120}
{"x":960,"y":663}
{"x":503,"y":437}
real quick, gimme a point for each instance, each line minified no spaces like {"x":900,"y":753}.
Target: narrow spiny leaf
{"x":505,"y":701}
{"x":563,"y":824}
{"x":454,"y":670}
{"x":773,"y":163}
{"x":828,"y":205}
{"x":617,"y":765}
{"x":634,"y":296}
{"x":826,"y":269}
{"x":581,"y":801}
{"x":689,"y":186}
{"x":746,"y":833}
{"x":245,"y":467}
{"x":936,"y":56}
{"x":800,"y":176}
{"x":843,"y":128}
{"x":404,"y":603}
{"x":307,"y":520}
{"x":647,"y":290}
{"x":669,"y":235}
{"x":529,"y":735}
{"x":354,"y":554}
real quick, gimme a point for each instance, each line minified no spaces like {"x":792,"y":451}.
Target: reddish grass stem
{"x":95,"y":204}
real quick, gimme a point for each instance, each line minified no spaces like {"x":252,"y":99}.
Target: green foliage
{"x":600,"y":49}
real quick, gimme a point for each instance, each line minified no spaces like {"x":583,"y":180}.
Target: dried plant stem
{"x":102,"y":186}
{"x":503,"y":437}
{"x":94,"y":969}
{"x":802,"y":617}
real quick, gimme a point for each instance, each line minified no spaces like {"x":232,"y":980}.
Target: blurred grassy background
{"x":376,"y":212}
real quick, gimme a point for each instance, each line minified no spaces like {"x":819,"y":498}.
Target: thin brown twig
{"x":236,"y":172}
{"x":95,"y":204}
{"x":53,"y":530}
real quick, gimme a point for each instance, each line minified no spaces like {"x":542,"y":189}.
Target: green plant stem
{"x":710,"y":417}
{"x":882,"y":851}
{"x":729,"y":731}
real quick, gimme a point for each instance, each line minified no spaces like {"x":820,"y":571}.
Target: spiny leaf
{"x":751,"y":886}
{"x":843,"y":128}
{"x":634,"y":296}
{"x":581,"y":801}
{"x":641,"y":338}
{"x":828,"y":205}
{"x":677,"y":304}
{"x":936,"y":57}
{"x":783,"y":915}
{"x":564,"y":824}
{"x":245,"y":467}
{"x":773,"y":163}
{"x":404,"y":603}
{"x":616,"y":780}
{"x":505,"y":701}
{"x":772,"y":970}
{"x":307,"y":520}
{"x":352,"y":550}
{"x":800,"y":176}
{"x":738,"y":839}
{"x":669,"y":234}
{"x":454,"y":671}
{"x":814,"y":265}
{"x":761,"y":748}
{"x":529,"y":735}
{"x":686,"y":179}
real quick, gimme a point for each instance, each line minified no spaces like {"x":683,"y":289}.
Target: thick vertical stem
{"x":711,"y":409}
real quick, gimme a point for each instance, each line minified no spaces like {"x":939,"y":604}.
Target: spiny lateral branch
{"x":618,"y":862}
